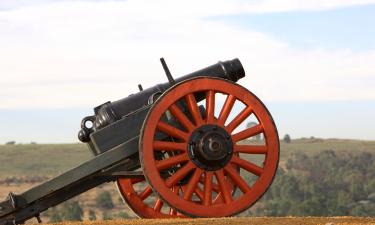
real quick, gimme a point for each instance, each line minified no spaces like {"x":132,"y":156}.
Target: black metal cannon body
{"x":115,"y":135}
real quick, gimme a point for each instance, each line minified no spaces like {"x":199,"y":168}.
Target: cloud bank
{"x":83,"y":53}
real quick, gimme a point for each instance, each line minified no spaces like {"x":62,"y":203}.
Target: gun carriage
{"x":178,"y":142}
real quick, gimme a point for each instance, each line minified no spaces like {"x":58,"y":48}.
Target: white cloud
{"x":296,"y":5}
{"x":72,"y":54}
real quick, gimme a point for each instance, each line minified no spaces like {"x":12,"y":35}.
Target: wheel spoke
{"x":158,"y":205}
{"x":237,"y":179}
{"x":192,"y":184}
{"x":249,"y":132}
{"x":193,"y":109}
{"x":172,"y":131}
{"x":223,"y":186}
{"x":239,"y":119}
{"x":199,"y":193}
{"x":214,"y":187}
{"x":218,"y":199}
{"x":169,"y":146}
{"x":181,"y":117}
{"x":180,"y":174}
{"x":145,"y":193}
{"x":172,"y":161}
{"x":210,"y":106}
{"x":251,"y":167}
{"x":207,"y":189}
{"x":172,"y":211}
{"x":136,"y":180}
{"x":227,"y":108}
{"x":250,"y":149}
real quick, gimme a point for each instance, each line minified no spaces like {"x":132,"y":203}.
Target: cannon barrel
{"x":110,"y":112}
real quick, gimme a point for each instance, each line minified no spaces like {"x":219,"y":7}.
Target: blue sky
{"x":340,"y":28}
{"x":312,"y":62}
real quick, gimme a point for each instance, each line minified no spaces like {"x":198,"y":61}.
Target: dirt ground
{"x":239,"y":221}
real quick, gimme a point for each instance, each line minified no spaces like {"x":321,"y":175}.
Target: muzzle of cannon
{"x":177,"y":149}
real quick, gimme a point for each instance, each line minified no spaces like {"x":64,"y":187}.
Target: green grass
{"x":50,"y":160}
{"x":314,"y":146}
{"x":42,"y":160}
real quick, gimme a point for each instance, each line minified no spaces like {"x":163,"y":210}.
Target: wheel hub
{"x":210,"y":147}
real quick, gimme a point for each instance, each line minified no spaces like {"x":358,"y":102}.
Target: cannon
{"x":178,"y":149}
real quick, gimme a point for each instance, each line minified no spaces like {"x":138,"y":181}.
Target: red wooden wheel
{"x":141,"y":199}
{"x":206,"y":148}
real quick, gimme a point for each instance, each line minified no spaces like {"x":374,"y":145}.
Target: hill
{"x":53,"y":159}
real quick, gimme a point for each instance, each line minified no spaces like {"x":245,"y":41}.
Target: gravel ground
{"x":239,"y":221}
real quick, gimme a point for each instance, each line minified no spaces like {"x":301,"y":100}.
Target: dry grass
{"x":237,"y":221}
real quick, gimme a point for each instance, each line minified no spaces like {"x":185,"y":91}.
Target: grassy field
{"x":45,"y":161}
{"x":50,"y":160}
{"x":40,"y":160}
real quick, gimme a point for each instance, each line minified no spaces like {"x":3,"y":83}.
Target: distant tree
{"x":107,"y":216}
{"x":123,"y":215}
{"x":323,"y":184}
{"x":104,"y":200}
{"x":55,"y":216}
{"x":10,"y":143}
{"x":92,"y":215}
{"x":287,"y":138}
{"x":71,"y":211}
{"x":363,"y":210}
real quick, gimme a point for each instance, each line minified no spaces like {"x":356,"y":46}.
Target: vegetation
{"x":107,"y":216}
{"x":315,"y":177}
{"x":54,"y":216}
{"x":92,"y":215}
{"x":40,"y":159}
{"x":104,"y":200}
{"x":25,"y":159}
{"x":123,"y":215}
{"x":71,"y":211}
{"x":10,"y":143}
{"x":326,"y":184}
{"x":287,"y":138}
{"x":68,"y":211}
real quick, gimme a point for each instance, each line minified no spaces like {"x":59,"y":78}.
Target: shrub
{"x":104,"y":200}
{"x":92,"y":215}
{"x":287,"y":138}
{"x":55,"y":217}
{"x":107,"y":216}
{"x":71,"y":211}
